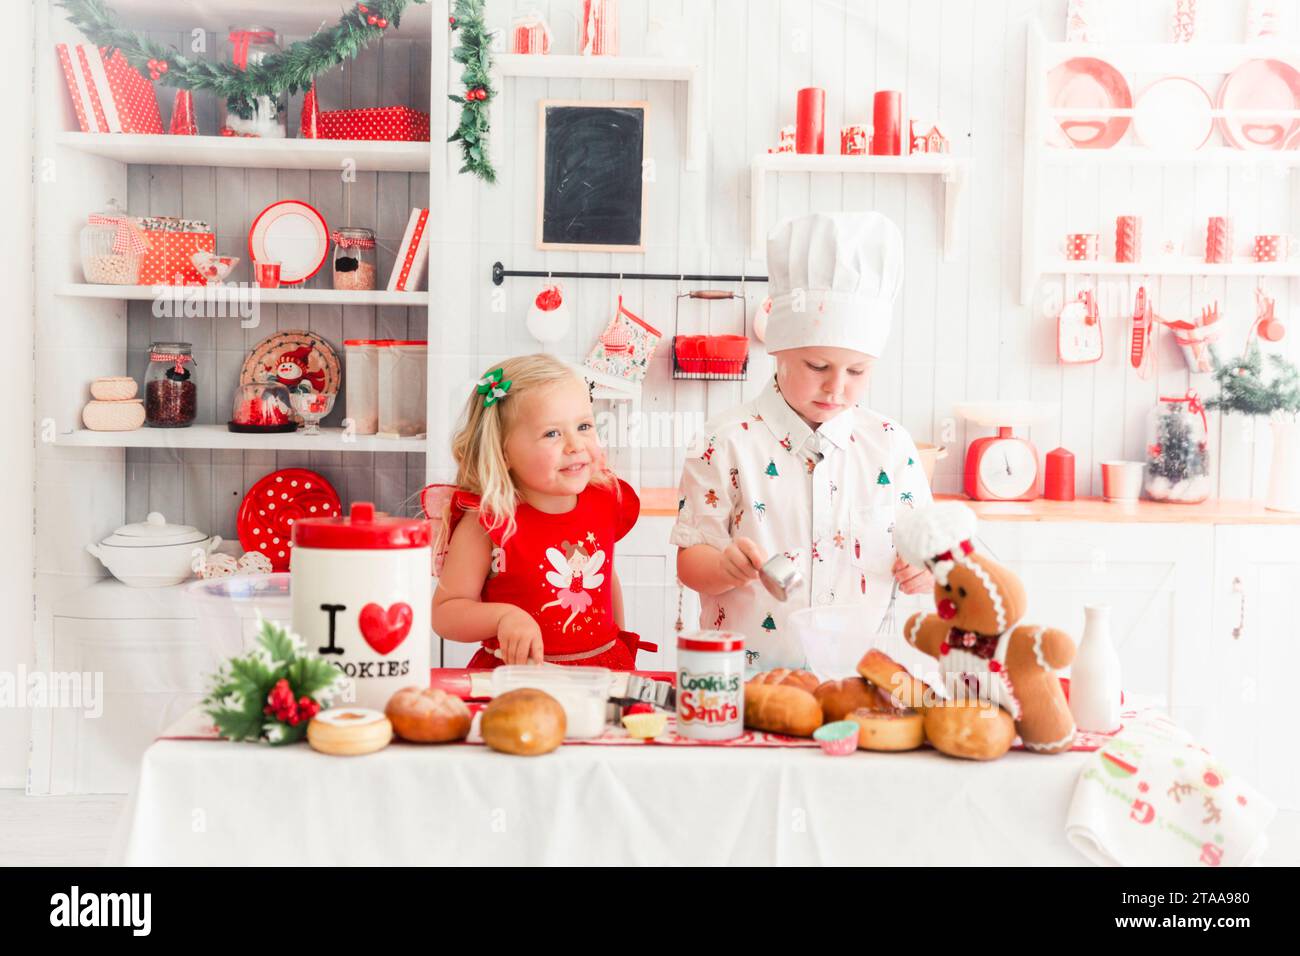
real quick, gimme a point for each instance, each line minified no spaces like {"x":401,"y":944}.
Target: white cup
{"x":1122,"y":480}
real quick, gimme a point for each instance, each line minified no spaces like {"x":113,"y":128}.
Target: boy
{"x":800,"y":469}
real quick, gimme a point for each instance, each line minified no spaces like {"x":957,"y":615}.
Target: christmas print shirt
{"x":558,"y":567}
{"x":826,"y":498}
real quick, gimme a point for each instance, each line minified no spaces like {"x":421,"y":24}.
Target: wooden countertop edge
{"x":662,"y":503}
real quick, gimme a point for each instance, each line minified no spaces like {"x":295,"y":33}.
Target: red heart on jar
{"x":384,"y":630}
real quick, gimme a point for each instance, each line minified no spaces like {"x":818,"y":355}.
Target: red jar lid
{"x":712,"y":642}
{"x":362,"y":531}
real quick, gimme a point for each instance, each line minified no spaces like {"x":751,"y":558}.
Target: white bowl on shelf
{"x":153,"y":553}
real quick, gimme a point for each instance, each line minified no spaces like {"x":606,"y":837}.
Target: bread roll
{"x":839,"y":698}
{"x":973,"y":730}
{"x":894,"y":679}
{"x":427,"y":715}
{"x":784,"y":676}
{"x":889,"y":730}
{"x":349,"y":731}
{"x":781,"y":709}
{"x":526,"y":722}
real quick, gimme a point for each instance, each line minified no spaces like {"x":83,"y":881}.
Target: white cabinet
{"x":1246,"y":660}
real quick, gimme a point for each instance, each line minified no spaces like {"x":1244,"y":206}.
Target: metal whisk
{"x":890,"y":621}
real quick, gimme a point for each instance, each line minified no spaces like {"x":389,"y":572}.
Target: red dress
{"x":557,"y":567}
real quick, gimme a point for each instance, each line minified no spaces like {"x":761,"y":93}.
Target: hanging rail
{"x":500,"y":273}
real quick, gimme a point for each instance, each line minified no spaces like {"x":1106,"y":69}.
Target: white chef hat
{"x":833,"y":278}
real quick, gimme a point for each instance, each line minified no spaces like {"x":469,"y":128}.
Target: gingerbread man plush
{"x":977,"y":635}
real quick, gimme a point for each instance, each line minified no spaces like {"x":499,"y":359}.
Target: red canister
{"x":1058,"y":480}
{"x":887,"y":123}
{"x":810,"y":120}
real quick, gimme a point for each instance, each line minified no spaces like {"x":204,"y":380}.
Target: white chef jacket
{"x":826,"y":498}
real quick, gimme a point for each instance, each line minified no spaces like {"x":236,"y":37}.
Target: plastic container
{"x":835,"y":637}
{"x":711,"y":685}
{"x":111,"y":247}
{"x":230,"y":611}
{"x":402,"y":380}
{"x":354,"y":259}
{"x":583,"y":692}
{"x":261,"y":407}
{"x":361,"y":357}
{"x":171,"y":395}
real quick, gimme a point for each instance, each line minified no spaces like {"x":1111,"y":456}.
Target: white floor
{"x":75,"y":831}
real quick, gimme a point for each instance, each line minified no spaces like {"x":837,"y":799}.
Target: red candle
{"x":810,"y":119}
{"x":1058,"y":484}
{"x":887,"y":123}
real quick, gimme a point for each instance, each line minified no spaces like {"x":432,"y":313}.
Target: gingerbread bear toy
{"x":982,"y":646}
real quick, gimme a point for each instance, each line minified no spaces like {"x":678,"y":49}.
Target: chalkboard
{"x":590,"y":192}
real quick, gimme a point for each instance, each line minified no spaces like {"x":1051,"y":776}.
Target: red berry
{"x":372,"y":19}
{"x":362,"y":8}
{"x":382,"y":23}
{"x":162,"y":66}
{"x":451,"y":21}
{"x":640,"y":707}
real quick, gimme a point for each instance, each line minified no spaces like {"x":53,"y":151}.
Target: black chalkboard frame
{"x":641,"y":105}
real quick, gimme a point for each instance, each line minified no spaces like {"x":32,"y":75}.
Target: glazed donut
{"x":349,"y":731}
{"x":894,"y":679}
{"x":889,"y":730}
{"x":973,"y":730}
{"x":841,"y":697}
{"x":804,"y":680}
{"x":428,"y":715}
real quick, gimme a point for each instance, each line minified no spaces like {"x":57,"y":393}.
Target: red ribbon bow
{"x":128,"y":239}
{"x":241,"y":40}
{"x":1194,"y":405}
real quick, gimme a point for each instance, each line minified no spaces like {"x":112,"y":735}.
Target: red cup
{"x":887,"y":123}
{"x":733,"y":348}
{"x":1218,"y":239}
{"x":1080,"y":246}
{"x":1128,"y":239}
{"x":267,"y":274}
{"x":810,"y":117}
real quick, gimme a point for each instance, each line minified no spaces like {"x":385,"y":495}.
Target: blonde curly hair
{"x":479,"y":445}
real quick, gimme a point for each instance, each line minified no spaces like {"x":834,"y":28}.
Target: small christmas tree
{"x":1176,"y":462}
{"x":769,"y":624}
{"x":1243,"y":391}
{"x":771,"y":469}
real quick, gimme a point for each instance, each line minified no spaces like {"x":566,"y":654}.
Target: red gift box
{"x":168,"y":261}
{"x":76,"y":86}
{"x":121,"y":99}
{"x":376,"y":122}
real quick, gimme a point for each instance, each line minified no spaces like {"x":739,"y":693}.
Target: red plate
{"x":293,"y":234}
{"x":275,"y":502}
{"x":1085,"y":82}
{"x":1260,"y":85}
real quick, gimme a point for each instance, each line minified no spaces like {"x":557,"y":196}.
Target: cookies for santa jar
{"x":361,"y":594}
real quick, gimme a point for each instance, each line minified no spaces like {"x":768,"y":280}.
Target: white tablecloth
{"x":202,"y":802}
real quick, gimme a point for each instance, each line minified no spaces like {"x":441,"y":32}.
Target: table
{"x":205,"y":802}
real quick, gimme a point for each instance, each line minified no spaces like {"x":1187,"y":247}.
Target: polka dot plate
{"x":275,"y":502}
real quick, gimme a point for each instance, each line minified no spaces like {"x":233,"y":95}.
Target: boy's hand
{"x":912,"y":580}
{"x":741,"y":561}
{"x":520,"y":638}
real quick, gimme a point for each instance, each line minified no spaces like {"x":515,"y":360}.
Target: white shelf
{"x":251,"y":153}
{"x":1281,"y":160}
{"x":232,"y":295}
{"x":554,"y":66}
{"x":951,"y":170}
{"x":220,"y":437}
{"x":1171,"y":267}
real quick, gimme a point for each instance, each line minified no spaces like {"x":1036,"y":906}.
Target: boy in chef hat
{"x":801,"y":469}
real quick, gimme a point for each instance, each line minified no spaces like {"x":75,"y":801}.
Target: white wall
{"x":16,"y":374}
{"x":960,"y":330}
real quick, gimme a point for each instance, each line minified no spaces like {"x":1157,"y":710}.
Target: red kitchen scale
{"x":1002,"y":467}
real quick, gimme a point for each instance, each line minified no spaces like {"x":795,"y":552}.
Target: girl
{"x":531,"y":575}
{"x":801,"y":468}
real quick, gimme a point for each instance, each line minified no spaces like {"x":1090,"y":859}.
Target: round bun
{"x":839,"y":698}
{"x":889,"y":730}
{"x":428,"y":715}
{"x":525,"y":722}
{"x":349,"y":731}
{"x":973,"y":730}
{"x":804,"y":680}
{"x":894,"y":679}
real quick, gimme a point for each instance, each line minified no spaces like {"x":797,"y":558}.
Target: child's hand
{"x":741,"y":561}
{"x":912,"y":580}
{"x":520,"y":638}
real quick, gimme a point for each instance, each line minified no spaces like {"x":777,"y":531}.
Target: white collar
{"x":785,"y":423}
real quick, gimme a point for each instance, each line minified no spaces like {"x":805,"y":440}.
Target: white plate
{"x":293,"y":234}
{"x":1173,"y":114}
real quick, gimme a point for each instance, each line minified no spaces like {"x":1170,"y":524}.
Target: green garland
{"x":1243,"y":390}
{"x":474,"y":51}
{"x":290,"y":70}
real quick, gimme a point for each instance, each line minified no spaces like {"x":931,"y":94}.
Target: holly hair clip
{"x":492,"y":388}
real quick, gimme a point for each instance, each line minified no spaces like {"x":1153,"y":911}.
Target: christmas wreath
{"x":273,"y":692}
{"x":290,"y":70}
{"x":475,"y":54}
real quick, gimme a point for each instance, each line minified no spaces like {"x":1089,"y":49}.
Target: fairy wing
{"x":560,"y":576}
{"x":590,"y":579}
